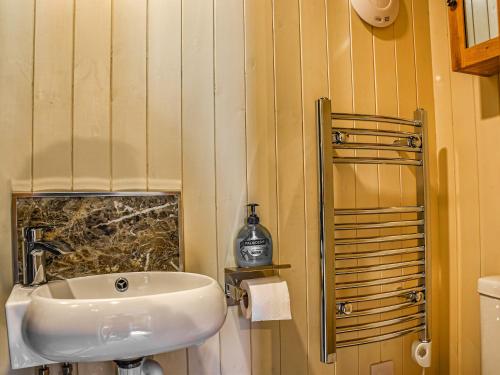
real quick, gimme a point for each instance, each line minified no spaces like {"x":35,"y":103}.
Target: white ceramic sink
{"x":88,"y":319}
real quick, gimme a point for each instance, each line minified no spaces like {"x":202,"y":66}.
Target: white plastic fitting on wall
{"x":421,"y":353}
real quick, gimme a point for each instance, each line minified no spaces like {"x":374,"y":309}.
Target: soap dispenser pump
{"x":253,"y":245}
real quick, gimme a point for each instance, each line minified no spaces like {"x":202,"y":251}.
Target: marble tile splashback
{"x":107,"y":233}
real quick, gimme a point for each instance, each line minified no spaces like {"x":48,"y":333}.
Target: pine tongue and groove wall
{"x":215,"y":98}
{"x":468,"y":114}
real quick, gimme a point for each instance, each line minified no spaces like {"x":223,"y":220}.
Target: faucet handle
{"x":35,"y":233}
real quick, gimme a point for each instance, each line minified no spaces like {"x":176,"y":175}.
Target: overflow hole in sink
{"x":121,"y":284}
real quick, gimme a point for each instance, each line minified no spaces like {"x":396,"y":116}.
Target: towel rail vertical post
{"x":326,"y":230}
{"x":424,"y":199}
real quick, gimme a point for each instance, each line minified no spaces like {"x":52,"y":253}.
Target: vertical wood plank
{"x":100,"y":368}
{"x":390,"y":189}
{"x":367,"y":178}
{"x":164,"y":94}
{"x":53,"y":80}
{"x":486,"y":93}
{"x":261,"y":158}
{"x":198,"y":155}
{"x":341,"y":91}
{"x":164,"y":117}
{"x":16,"y":110}
{"x":128,"y":133}
{"x":230,"y":161}
{"x":468,"y":263}
{"x":173,"y":363}
{"x":291,"y":199}
{"x":447,"y":316}
{"x":407,"y":103}
{"x":425,"y":99}
{"x":91,"y":101}
{"x":315,"y":84}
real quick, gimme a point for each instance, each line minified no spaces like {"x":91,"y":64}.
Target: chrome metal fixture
{"x":34,"y":249}
{"x":235,"y":275}
{"x":373,"y":260}
{"x":121,"y":284}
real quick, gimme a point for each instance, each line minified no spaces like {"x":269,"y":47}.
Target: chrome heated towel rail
{"x":375,"y":262}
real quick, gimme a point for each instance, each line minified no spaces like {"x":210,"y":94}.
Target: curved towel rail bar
{"x":381,"y":323}
{"x":382,"y":310}
{"x":374,"y":118}
{"x":378,"y":210}
{"x":362,"y":240}
{"x":406,"y":287}
{"x":383,"y":224}
{"x":383,"y":281}
{"x":378,"y":253}
{"x":378,"y":267}
{"x":377,"y":296}
{"x":387,"y":336}
{"x":366,"y":160}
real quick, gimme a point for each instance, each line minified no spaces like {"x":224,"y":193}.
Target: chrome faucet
{"x":34,"y":249}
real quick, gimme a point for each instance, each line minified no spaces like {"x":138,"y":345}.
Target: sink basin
{"x":113,"y":316}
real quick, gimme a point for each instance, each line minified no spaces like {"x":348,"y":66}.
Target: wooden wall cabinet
{"x":474,"y":37}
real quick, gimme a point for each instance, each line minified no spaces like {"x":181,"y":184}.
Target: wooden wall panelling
{"x":164,"y":118}
{"x":468,"y":225}
{"x":315,"y":84}
{"x":425,"y":99}
{"x":230,"y":161}
{"x":486,"y":94}
{"x":164,"y":81}
{"x":128,"y":90}
{"x":53,"y":81}
{"x":390,"y":191}
{"x":261,"y":158}
{"x":341,"y":93}
{"x":291,"y":215}
{"x":447,"y":199}
{"x":198,"y":160}
{"x":16,"y":111}
{"x":407,"y":103}
{"x":367,"y":176}
{"x":91,"y":98}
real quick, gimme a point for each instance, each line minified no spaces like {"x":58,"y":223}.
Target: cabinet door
{"x":474,"y":36}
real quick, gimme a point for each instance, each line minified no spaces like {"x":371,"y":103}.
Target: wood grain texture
{"x":315,"y":84}
{"x":290,"y":176}
{"x":128,"y":90}
{"x":230,"y":161}
{"x":447,"y":206}
{"x":198,"y":160}
{"x":164,"y":79}
{"x":53,"y":81}
{"x":425,"y":99}
{"x":261,"y":158}
{"x":390,"y":184}
{"x":91,"y":100}
{"x":16,"y":111}
{"x":217,"y":98}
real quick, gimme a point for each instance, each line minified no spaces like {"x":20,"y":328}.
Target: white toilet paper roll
{"x":267,"y":299}
{"x":421,"y":353}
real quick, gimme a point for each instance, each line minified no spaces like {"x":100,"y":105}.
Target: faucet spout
{"x":53,"y":247}
{"x":34,"y":250}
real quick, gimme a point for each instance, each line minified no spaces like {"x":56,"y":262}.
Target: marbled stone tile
{"x":107,"y":233}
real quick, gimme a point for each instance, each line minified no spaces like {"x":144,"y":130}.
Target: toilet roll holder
{"x":233,"y":276}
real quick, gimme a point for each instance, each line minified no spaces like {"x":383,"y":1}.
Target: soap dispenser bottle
{"x":253,"y":245}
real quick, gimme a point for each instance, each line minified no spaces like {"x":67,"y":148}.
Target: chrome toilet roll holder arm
{"x":233,"y":276}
